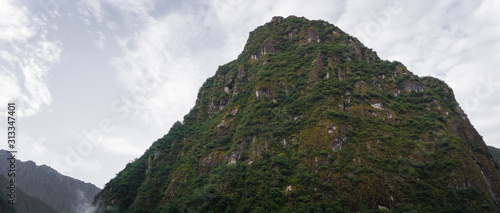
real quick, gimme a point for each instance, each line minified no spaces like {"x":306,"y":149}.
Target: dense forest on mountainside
{"x":308,"y":119}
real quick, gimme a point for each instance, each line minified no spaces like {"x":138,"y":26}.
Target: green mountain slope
{"x":309,"y":119}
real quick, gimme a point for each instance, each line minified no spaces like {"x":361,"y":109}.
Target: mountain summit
{"x":309,"y":119}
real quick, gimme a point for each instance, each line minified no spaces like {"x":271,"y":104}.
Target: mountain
{"x":308,"y":119}
{"x":5,"y":206}
{"x":62,"y":193}
{"x":23,"y":203}
{"x":495,"y":153}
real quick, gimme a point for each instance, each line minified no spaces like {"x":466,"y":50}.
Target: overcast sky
{"x":96,"y":82}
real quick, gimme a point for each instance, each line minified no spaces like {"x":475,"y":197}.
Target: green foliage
{"x":124,"y":187}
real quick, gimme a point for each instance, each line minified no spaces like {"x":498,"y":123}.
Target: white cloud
{"x":111,"y":25}
{"x":138,"y":7}
{"x":15,"y":22}
{"x":27,"y":58}
{"x":33,"y":147}
{"x":34,"y":61}
{"x":132,"y":9}
{"x":9,"y":84}
{"x":99,"y":43}
{"x":90,"y":9}
{"x":164,"y":64}
{"x":121,"y":146}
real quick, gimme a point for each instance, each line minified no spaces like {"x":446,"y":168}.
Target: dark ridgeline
{"x":495,"y":153}
{"x":23,"y":203}
{"x":309,"y":119}
{"x":60,"y":193}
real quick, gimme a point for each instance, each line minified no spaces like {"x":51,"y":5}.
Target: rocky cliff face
{"x":62,"y":193}
{"x":309,"y":119}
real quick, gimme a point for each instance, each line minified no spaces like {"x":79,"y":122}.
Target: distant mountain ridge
{"x":23,"y":204}
{"x":62,"y":193}
{"x":495,"y":153}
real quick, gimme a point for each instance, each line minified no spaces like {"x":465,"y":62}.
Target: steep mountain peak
{"x":309,"y":119}
{"x":283,"y":34}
